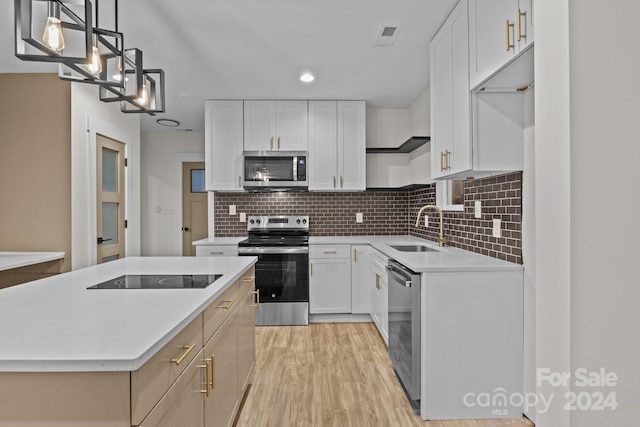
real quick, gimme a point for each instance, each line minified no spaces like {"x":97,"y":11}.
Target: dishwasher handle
{"x":398,"y":274}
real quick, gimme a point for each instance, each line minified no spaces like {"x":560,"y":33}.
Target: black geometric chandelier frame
{"x":87,"y":53}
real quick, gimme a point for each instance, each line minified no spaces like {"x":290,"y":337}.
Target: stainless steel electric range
{"x":281,"y":244}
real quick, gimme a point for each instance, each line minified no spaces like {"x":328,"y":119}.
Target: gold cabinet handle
{"x":334,"y":182}
{"x":249,"y":279}
{"x":355,"y":255}
{"x":330,"y":252}
{"x":442,"y":161}
{"x":520,"y":15}
{"x":257,"y":294}
{"x":278,"y":143}
{"x":229,"y":302}
{"x":212,"y":384}
{"x":187,"y":349}
{"x":377,"y":281}
{"x":271,"y":141}
{"x":448,"y":159}
{"x":311,"y":269}
{"x":207,"y":366}
{"x":508,"y":30}
{"x":239,"y":181}
{"x":341,"y":182}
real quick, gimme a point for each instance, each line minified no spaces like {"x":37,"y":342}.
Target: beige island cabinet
{"x":72,"y":356}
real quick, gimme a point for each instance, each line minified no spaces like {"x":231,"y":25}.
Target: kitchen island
{"x":121,"y":357}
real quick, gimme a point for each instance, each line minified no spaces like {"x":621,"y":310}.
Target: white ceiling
{"x":257,"y":49}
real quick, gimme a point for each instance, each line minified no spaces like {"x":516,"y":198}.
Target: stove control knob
{"x":298,"y":221}
{"x":257,"y":221}
{"x":304,"y":221}
{"x":252,"y":221}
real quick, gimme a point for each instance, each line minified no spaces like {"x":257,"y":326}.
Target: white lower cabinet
{"x":329,"y":279}
{"x":380,"y":295}
{"x":360,"y":279}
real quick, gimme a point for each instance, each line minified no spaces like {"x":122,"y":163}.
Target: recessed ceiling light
{"x":307,"y":77}
{"x":168,"y":122}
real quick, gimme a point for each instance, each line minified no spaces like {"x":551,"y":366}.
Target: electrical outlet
{"x":243,"y":217}
{"x":496,"y":228}
{"x":232,"y":209}
{"x":478,"y":209}
{"x":359,"y":218}
{"x":426,"y":221}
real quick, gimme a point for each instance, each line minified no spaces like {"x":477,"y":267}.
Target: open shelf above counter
{"x":408,"y":146}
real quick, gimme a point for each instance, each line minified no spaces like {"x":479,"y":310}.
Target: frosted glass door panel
{"x":110,"y":224}
{"x":109,"y":170}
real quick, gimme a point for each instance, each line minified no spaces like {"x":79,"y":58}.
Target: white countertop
{"x":445,"y":259}
{"x":219,"y":241}
{"x":56,"y":324}
{"x":9,"y":260}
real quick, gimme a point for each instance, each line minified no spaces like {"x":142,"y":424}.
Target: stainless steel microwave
{"x":275,"y":170}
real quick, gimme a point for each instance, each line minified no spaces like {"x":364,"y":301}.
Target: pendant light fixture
{"x":88,"y":53}
{"x":67,"y":30}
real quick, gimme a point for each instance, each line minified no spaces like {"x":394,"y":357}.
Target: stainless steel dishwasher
{"x":404,"y":328}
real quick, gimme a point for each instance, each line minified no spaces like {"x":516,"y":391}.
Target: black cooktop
{"x":148,"y":281}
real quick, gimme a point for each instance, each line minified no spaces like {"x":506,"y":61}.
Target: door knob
{"x":186,"y":229}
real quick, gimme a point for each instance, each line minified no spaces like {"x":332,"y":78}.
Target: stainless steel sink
{"x":413,"y":248}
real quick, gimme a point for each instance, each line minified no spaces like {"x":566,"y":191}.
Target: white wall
{"x":552,"y":202}
{"x":586,"y":231}
{"x":162,"y":155}
{"x":529,"y":250}
{"x":89,"y":113}
{"x":605,"y":174}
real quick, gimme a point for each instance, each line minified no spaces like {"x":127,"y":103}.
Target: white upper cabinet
{"x":223,"y":145}
{"x":275,"y":125}
{"x":499,"y":31}
{"x":337,"y":145}
{"x":450,"y":96}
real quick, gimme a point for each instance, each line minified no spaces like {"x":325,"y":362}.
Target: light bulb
{"x":143,"y":99}
{"x":52,"y":36}
{"x":95,"y":64}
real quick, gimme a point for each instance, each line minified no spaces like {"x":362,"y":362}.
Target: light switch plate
{"x":232,"y":209}
{"x":496,"y":228}
{"x":478,"y":209}
{"x":243,"y":217}
{"x":359,"y":218}
{"x":426,"y":221}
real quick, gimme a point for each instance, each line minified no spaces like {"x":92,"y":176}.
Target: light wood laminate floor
{"x":331,"y":375}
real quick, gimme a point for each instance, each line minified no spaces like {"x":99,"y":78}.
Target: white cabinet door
{"x":380,"y":296}
{"x":450,"y":102}
{"x":351,"y":146}
{"x":291,"y":126}
{"x":329,"y":286}
{"x":361,"y":279}
{"x":223,"y":145}
{"x":259,"y":125}
{"x":323,"y":145}
{"x":499,"y":30}
{"x":337,"y":144}
{"x":275,"y":125}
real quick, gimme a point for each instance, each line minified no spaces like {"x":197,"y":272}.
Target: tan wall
{"x":35,"y":171}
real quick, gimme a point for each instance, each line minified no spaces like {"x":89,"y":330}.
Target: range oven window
{"x":283,"y":277}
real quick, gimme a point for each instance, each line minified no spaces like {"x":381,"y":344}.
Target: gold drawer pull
{"x":207,"y":366}
{"x":249,"y":279}
{"x":355,"y":255}
{"x":278,"y":143}
{"x":187,"y":349}
{"x":520,"y":15}
{"x":213,"y":372}
{"x":257,"y":294}
{"x":330,"y":252}
{"x":341,"y":182}
{"x":271,"y":143}
{"x":229,"y":302}
{"x":508,"y":27}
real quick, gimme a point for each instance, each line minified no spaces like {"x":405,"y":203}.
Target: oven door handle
{"x":273,"y":250}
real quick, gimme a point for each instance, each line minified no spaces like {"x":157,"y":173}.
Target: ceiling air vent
{"x":387,"y":36}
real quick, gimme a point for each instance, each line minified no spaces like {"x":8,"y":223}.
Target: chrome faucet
{"x":443,"y":240}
